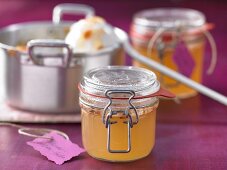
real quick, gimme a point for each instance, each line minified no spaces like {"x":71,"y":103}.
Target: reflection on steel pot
{"x":43,"y":78}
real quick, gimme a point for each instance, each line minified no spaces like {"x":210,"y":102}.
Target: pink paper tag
{"x":183,"y":59}
{"x":57,"y":149}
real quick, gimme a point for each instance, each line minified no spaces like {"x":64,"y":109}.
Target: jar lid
{"x":169,"y":18}
{"x":97,"y":81}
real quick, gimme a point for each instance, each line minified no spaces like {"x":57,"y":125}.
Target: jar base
{"x":119,"y":161}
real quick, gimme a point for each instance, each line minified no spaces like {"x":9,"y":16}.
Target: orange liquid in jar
{"x":94,"y":134}
{"x":196,"y":49}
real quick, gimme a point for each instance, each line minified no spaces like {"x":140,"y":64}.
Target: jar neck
{"x":118,"y":104}
{"x":143,"y":34}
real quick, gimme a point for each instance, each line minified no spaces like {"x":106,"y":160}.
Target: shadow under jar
{"x":118,"y":106}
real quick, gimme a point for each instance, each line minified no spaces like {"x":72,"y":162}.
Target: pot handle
{"x":51,"y":43}
{"x":71,"y":8}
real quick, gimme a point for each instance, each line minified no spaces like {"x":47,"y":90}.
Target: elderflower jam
{"x":118,"y":112}
{"x":175,"y":38}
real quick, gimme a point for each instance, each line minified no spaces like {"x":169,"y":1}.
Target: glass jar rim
{"x":98,"y":81}
{"x":169,"y":18}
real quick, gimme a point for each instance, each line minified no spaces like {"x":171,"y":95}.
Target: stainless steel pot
{"x":44,"y":78}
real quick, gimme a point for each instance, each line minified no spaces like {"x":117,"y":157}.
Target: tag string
{"x":206,"y":33}
{"x":34,"y":132}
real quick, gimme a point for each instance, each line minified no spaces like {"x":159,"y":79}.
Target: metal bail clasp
{"x":108,"y":113}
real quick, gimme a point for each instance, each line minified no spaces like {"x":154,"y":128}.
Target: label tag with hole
{"x":57,"y":148}
{"x":183,"y":59}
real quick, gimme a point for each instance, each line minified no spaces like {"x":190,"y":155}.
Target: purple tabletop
{"x":190,"y":135}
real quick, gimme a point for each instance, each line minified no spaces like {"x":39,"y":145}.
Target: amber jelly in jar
{"x":118,"y":111}
{"x":174,"y":37}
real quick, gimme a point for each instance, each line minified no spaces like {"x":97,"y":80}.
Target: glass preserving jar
{"x":118,"y":112}
{"x":174,"y":37}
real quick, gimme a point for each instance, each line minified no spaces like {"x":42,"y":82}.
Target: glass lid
{"x":141,"y":81}
{"x":169,"y":18}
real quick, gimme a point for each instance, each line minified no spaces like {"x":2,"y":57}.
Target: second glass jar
{"x":174,"y":37}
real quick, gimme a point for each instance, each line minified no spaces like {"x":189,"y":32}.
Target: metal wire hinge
{"x":108,"y":114}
